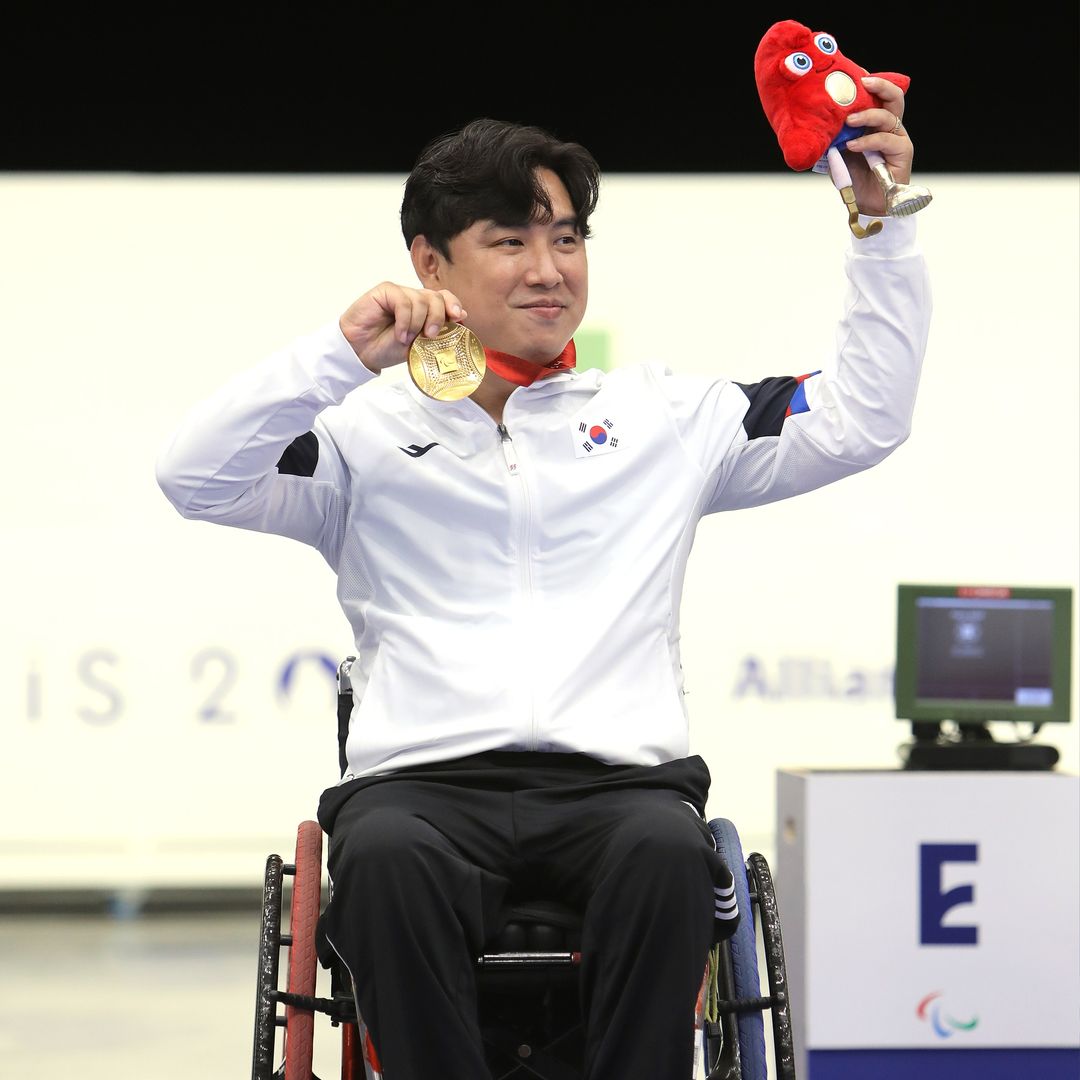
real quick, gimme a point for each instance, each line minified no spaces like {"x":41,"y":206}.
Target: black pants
{"x":422,"y":860}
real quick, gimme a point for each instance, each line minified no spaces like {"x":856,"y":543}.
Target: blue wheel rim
{"x":743,"y":945}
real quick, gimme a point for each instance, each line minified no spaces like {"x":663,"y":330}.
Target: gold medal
{"x":450,"y":366}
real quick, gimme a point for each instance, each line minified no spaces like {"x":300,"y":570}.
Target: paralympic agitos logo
{"x":932,"y":1010}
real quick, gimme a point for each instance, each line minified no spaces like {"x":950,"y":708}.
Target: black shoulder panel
{"x":769,"y":401}
{"x":301,"y":457}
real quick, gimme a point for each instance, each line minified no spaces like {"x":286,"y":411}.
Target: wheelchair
{"x":526,"y":979}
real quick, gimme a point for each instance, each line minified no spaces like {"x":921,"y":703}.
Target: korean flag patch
{"x":594,"y":436}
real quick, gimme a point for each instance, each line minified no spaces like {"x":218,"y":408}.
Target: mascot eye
{"x":825,"y":43}
{"x":798,"y":62}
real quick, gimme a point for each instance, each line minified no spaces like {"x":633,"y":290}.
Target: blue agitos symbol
{"x":296,"y":661}
{"x":944,"y":1026}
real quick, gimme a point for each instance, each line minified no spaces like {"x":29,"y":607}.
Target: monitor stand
{"x":974,"y":748}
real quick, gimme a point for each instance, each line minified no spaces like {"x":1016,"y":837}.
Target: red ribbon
{"x":525,"y":372}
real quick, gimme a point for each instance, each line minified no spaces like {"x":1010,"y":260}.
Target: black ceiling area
{"x":360,"y":88}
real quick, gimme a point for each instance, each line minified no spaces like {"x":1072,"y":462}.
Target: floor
{"x":130,"y":991}
{"x":134,"y":997}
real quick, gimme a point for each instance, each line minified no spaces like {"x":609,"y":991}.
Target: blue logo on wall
{"x":934,"y":903}
{"x":304,"y":659}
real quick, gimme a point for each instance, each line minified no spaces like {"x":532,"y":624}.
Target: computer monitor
{"x":967,"y":655}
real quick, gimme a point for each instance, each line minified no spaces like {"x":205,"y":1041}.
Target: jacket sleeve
{"x":258,"y":455}
{"x":802,"y":432}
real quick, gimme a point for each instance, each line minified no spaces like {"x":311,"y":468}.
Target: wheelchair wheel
{"x":303,"y":958}
{"x":743,"y":950}
{"x":262,"y":1059}
{"x":772,"y":939}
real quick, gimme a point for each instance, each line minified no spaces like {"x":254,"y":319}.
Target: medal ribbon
{"x":525,"y":372}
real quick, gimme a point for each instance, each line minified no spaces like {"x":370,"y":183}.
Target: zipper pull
{"x":508,"y":451}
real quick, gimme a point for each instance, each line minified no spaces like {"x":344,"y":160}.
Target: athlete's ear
{"x":427,"y":262}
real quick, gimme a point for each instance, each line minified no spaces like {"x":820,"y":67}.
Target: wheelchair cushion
{"x":538,"y":926}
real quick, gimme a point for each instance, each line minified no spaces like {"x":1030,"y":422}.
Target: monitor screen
{"x":976,"y":653}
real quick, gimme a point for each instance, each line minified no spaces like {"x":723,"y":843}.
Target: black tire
{"x":776,"y":968}
{"x":262,"y":1058}
{"x":743,"y":950}
{"x":303,"y":957}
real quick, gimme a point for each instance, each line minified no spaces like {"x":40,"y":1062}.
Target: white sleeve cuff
{"x":897,"y":237}
{"x":331,"y":362}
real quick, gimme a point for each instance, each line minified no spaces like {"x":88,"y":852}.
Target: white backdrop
{"x":146,"y":736}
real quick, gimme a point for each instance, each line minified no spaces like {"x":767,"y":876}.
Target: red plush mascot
{"x":808,"y":88}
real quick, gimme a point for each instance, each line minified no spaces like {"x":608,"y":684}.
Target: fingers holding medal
{"x":391,"y":324}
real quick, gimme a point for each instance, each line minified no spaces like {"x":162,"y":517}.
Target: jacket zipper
{"x":522,"y":499}
{"x":508,"y":451}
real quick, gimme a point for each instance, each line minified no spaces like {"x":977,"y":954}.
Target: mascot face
{"x":807,"y":88}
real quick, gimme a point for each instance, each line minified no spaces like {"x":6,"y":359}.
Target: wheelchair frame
{"x":530,"y":1019}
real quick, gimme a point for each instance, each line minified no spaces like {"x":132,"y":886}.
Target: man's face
{"x":524,"y":288}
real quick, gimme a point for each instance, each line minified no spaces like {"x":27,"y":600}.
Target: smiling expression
{"x":525,"y":287}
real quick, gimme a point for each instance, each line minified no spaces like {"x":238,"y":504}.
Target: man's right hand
{"x":383,"y":323}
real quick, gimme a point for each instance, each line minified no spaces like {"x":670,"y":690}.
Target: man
{"x":511,"y":564}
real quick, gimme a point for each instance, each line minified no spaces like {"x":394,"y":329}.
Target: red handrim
{"x":303,"y":959}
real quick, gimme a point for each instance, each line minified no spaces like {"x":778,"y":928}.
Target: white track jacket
{"x":518,"y":588}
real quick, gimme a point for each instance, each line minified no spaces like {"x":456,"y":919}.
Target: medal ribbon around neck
{"x":451,"y":365}
{"x":524,"y":372}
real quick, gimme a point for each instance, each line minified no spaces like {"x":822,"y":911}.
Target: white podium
{"x":931,"y":923}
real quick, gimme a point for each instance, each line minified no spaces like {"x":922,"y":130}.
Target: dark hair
{"x":487,"y":171}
